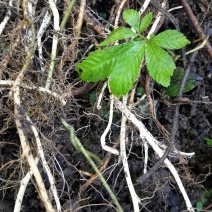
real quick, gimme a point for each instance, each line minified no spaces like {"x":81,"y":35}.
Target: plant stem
{"x":67,"y":14}
{"x":86,"y":154}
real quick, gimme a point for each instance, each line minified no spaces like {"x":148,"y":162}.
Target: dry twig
{"x":196,"y":25}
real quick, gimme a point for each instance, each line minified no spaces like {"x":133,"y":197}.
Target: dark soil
{"x":159,"y":192}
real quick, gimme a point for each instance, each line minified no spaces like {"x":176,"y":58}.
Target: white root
{"x":175,"y":8}
{"x":54,"y":42}
{"x":145,"y":5}
{"x":45,"y":23}
{"x":146,"y":135}
{"x":98,"y":105}
{"x":123,"y":156}
{"x":146,"y":147}
{"x":6,"y":18}
{"x":45,"y":165}
{"x":23,"y":185}
{"x":176,"y":151}
{"x":31,"y":7}
{"x":103,"y":143}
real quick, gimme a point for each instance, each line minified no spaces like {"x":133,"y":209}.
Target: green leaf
{"x":132,"y":17}
{"x":209,"y":141}
{"x":170,"y":39}
{"x":118,"y":34}
{"x":145,"y":22}
{"x":120,"y":63}
{"x":199,"y":206}
{"x":92,"y":98}
{"x":125,"y":71}
{"x":205,"y":198}
{"x":159,"y":64}
{"x":140,"y":91}
{"x":192,"y":81}
{"x":99,"y":64}
{"x":94,"y":69}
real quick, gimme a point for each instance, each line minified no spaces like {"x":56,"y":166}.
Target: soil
{"x":70,"y":168}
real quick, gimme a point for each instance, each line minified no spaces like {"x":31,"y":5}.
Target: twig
{"x":54,"y":42}
{"x":119,"y":13}
{"x":166,"y":13}
{"x":92,"y":21}
{"x":103,"y":143}
{"x":196,"y":25}
{"x":123,"y":156}
{"x":85,"y":153}
{"x":207,"y":208}
{"x":145,"y":5}
{"x":198,"y":47}
{"x":23,"y":185}
{"x":45,"y":165}
{"x":194,"y":49}
{"x":77,"y":32}
{"x":77,"y":28}
{"x":157,"y":20}
{"x":146,"y":135}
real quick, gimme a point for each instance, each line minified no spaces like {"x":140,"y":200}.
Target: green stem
{"x":74,"y":141}
{"x":77,"y":143}
{"x":67,"y":13}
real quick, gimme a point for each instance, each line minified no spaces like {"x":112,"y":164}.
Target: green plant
{"x":209,"y":141}
{"x":121,"y":63}
{"x":205,"y":198}
{"x":104,"y":106}
{"x":89,"y":155}
{"x":192,"y":81}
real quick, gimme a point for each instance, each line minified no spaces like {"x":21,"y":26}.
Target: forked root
{"x":145,"y":135}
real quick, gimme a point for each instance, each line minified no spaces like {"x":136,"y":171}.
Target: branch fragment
{"x":196,"y":25}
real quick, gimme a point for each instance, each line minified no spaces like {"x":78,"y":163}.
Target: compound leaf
{"x":159,"y":64}
{"x":118,"y":34}
{"x":132,"y":17}
{"x":170,"y":39}
{"x":120,"y":63}
{"x":125,"y":71}
{"x":145,"y":22}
